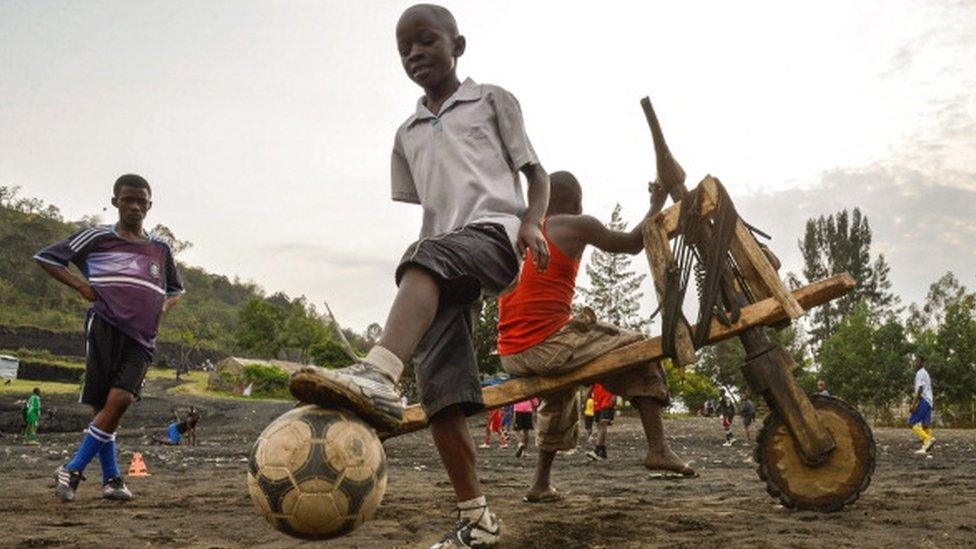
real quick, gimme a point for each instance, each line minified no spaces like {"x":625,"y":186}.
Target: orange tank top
{"x":539,"y":305}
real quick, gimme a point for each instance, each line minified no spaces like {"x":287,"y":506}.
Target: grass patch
{"x":42,"y":356}
{"x":25,"y":386}
{"x":195,"y":384}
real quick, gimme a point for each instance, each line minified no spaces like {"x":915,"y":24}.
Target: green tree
{"x":943,"y":331}
{"x":259,"y":328}
{"x":614,"y":293}
{"x":303,"y":328}
{"x":839,"y":243}
{"x":329,"y":354}
{"x":485,"y":334}
{"x":164,"y":233}
{"x":867,"y":362}
{"x":692,"y":390}
{"x":722,"y":365}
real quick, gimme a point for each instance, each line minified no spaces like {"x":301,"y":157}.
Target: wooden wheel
{"x":826,"y":487}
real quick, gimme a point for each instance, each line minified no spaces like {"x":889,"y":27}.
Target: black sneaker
{"x":485,"y":532}
{"x":116,"y":490}
{"x":66,"y":482}
{"x":520,"y":451}
{"x":362,"y":387}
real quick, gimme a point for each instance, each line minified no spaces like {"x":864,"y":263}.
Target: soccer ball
{"x":316,"y":473}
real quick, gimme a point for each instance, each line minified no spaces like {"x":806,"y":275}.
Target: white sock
{"x":473,"y":509}
{"x":385,"y":360}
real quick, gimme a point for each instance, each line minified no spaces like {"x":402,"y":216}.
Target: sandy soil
{"x":196,"y":496}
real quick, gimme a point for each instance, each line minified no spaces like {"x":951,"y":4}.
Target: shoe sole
{"x":65,"y":498}
{"x":313,"y":388}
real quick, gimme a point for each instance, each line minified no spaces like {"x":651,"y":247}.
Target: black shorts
{"x":606,"y":414}
{"x":112,"y":359}
{"x":523,"y":421}
{"x":471,"y":262}
{"x":587,"y":422}
{"x":747,"y":420}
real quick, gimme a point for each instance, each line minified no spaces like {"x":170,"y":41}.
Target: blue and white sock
{"x":106,"y":456}
{"x":94,"y":439}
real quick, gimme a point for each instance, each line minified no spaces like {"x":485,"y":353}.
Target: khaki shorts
{"x":574,"y":345}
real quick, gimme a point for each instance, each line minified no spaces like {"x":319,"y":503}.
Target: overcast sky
{"x":266,"y":127}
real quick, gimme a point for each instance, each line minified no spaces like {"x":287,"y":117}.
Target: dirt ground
{"x":197,"y":497}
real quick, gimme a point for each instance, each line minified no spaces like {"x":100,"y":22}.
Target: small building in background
{"x":8,"y":366}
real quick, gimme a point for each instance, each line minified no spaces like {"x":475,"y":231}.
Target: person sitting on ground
{"x":726,"y":410}
{"x":180,"y":427}
{"x":523,"y":423}
{"x":538,"y":335}
{"x":459,"y":156}
{"x":131,"y":280}
{"x":32,"y":415}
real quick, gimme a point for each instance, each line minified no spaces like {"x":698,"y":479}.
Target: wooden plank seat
{"x":763,"y":313}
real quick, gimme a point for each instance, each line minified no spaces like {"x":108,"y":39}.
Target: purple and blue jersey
{"x":132,"y":278}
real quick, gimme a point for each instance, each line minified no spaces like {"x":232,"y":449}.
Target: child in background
{"x":604,"y":410}
{"x":523,"y":423}
{"x":748,"y":414}
{"x":508,"y":414}
{"x":921,"y":418}
{"x":726,"y":409}
{"x":588,"y":417}
{"x":32,"y":415}
{"x":494,"y":425}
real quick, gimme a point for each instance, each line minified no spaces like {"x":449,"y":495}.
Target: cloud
{"x":924,"y":224}
{"x":325,"y":256}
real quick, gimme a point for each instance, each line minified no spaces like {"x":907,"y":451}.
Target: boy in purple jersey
{"x":131,"y":280}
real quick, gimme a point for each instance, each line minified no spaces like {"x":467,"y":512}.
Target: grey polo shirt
{"x":462,"y":166}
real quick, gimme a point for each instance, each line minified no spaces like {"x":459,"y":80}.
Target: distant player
{"x":182,"y":426}
{"x":921,"y":417}
{"x":32,"y":415}
{"x":508,"y":416}
{"x":726,"y":409}
{"x":493,"y":424}
{"x":588,"y":417}
{"x":604,"y":410}
{"x":748,"y":414}
{"x":523,"y":423}
{"x":131,"y":280}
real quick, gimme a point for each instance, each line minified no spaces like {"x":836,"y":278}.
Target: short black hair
{"x":443,"y":16}
{"x":131,"y":180}
{"x":565,"y":187}
{"x":37,"y":390}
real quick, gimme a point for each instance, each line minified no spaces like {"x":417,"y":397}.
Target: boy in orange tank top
{"x":538,"y":335}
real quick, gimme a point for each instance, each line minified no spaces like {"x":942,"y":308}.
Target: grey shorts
{"x":474,"y":261}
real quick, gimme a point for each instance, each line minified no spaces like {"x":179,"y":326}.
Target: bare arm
{"x":592,"y":231}
{"x":66,"y":277}
{"x":530,"y":233}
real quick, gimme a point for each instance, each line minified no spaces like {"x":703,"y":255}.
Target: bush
{"x":269,"y":381}
{"x":693,"y":390}
{"x":329,"y":354}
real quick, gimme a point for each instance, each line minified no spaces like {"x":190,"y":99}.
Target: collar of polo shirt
{"x":467,"y":91}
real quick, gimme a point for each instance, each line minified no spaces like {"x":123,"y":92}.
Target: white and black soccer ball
{"x":316,"y":473}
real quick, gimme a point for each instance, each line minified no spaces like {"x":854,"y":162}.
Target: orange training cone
{"x":138,"y":467}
